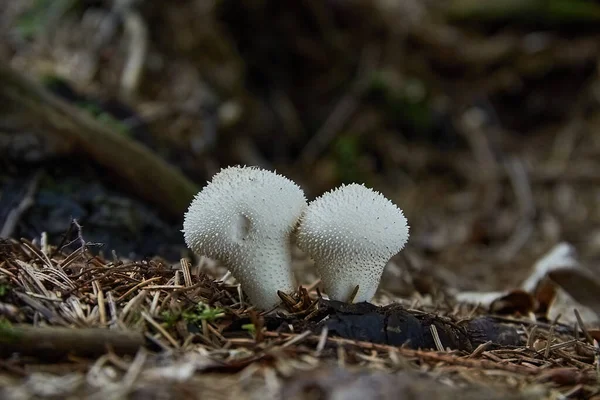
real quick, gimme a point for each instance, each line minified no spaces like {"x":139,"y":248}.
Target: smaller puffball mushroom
{"x":244,"y":218}
{"x":351,"y":233}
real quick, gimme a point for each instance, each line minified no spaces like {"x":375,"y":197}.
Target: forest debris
{"x":529,"y":70}
{"x":557,"y":285}
{"x":482,"y":299}
{"x":279,"y":348}
{"x":581,"y":284}
{"x":181,"y":369}
{"x":52,"y":343}
{"x":146,"y":174}
{"x":342,"y":384}
{"x":515,"y":302}
{"x":562,"y":255}
{"x":396,"y":326}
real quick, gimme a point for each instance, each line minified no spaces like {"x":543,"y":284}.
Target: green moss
{"x":203,"y":312}
{"x":250,"y":328}
{"x":170,"y":318}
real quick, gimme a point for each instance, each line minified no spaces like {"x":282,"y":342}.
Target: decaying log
{"x":397,"y":326}
{"x":394,"y":325}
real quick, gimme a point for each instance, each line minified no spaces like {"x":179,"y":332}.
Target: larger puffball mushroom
{"x":351,"y":233}
{"x":244,"y":218}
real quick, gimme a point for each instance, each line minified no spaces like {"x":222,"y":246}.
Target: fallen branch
{"x":53,"y":342}
{"x":147,"y":175}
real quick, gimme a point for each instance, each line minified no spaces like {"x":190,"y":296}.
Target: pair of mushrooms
{"x":246,"y":218}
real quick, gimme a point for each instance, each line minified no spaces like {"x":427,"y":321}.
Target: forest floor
{"x":479,"y":123}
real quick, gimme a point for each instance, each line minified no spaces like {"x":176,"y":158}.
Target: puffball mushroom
{"x":244,"y":218}
{"x":351,"y":233}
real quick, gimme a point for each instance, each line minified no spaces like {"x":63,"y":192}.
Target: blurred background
{"x":479,"y":119}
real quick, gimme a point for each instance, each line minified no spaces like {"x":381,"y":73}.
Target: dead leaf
{"x":483,"y":299}
{"x":515,"y":302}
{"x":545,"y":295}
{"x":563,"y":255}
{"x":557,"y":285}
{"x":595,"y":334}
{"x":581,"y":284}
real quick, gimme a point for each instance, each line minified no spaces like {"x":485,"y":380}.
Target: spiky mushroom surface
{"x":351,"y":233}
{"x":244,"y":218}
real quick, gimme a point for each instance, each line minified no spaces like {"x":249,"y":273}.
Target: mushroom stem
{"x":340,"y":285}
{"x":257,"y":280}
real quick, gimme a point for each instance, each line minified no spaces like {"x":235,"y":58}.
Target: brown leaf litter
{"x":85,"y":326}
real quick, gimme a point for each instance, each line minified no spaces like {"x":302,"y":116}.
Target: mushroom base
{"x":339,"y":281}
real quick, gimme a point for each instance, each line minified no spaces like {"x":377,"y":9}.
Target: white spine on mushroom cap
{"x":351,"y":233}
{"x":244,"y":218}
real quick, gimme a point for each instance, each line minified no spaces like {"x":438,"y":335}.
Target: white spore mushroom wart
{"x":351,"y":233}
{"x":244,"y":218}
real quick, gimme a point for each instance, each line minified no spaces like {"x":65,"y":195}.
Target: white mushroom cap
{"x":351,"y":233}
{"x":244,"y":218}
